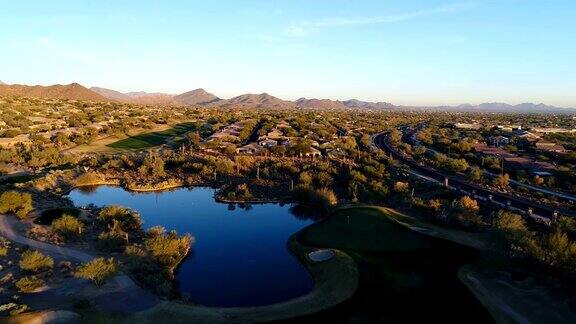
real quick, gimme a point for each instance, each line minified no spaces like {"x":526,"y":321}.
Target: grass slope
{"x":152,"y":139}
{"x":364,"y":229}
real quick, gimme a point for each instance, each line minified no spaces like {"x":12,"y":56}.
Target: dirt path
{"x":121,"y":294}
{"x":7,"y":229}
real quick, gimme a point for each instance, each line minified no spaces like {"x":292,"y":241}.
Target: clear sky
{"x":404,"y":51}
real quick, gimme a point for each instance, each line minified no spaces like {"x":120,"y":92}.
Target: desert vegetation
{"x":13,"y":202}
{"x":98,"y":270}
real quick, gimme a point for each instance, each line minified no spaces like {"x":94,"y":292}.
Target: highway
{"x":428,"y":173}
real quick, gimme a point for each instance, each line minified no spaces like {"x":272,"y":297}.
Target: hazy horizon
{"x":422,"y":53}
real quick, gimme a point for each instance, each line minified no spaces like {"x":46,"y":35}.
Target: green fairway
{"x":148,"y":140}
{"x":364,"y":229}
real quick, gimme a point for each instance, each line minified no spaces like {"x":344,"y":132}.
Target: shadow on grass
{"x":152,"y":139}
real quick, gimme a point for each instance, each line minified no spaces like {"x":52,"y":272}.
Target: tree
{"x":395,"y":136}
{"x":193,"y":139}
{"x":456,"y":165}
{"x":152,"y":165}
{"x":305,"y":179}
{"x":98,"y":270}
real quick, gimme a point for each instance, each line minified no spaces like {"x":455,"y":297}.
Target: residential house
{"x":336,"y":154}
{"x":313,"y":152}
{"x":549,"y":147}
{"x":498,"y":141}
{"x":250,"y":149}
{"x":275,"y":134}
{"x":268,"y":143}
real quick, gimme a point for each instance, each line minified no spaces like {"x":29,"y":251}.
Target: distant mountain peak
{"x":196,"y":97}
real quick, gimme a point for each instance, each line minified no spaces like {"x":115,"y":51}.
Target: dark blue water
{"x":240,"y":257}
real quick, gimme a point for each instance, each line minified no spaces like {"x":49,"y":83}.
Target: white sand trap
{"x":321,"y":255}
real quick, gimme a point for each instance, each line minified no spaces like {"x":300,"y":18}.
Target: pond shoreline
{"x":217,"y":196}
{"x":335,"y":281}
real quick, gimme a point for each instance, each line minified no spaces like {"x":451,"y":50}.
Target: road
{"x":513,"y":182}
{"x":430,"y":174}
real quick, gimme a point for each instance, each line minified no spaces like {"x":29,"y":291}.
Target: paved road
{"x":516,"y":183}
{"x":500,"y":198}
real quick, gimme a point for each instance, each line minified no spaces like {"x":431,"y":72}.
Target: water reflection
{"x":240,"y":256}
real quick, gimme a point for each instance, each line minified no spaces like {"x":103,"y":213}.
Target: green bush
{"x":29,"y":284}
{"x":34,"y":261}
{"x":129,"y":220}
{"x":68,"y":226}
{"x":16,"y":203}
{"x":98,"y":270}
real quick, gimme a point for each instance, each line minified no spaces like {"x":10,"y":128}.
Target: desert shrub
{"x":501,"y":181}
{"x":29,"y":284}
{"x":510,"y":225}
{"x":323,"y":198}
{"x":112,"y":240}
{"x":68,"y":226}
{"x":35,"y":261}
{"x":4,"y":247}
{"x":13,"y":309}
{"x":128,"y":219}
{"x":559,"y":251}
{"x":98,"y":270}
{"x":565,"y":224}
{"x":401,"y":187}
{"x":16,"y":203}
{"x":167,"y":248}
{"x":147,"y":271}
{"x":464,"y":212}
{"x":88,"y":178}
{"x":50,"y":215}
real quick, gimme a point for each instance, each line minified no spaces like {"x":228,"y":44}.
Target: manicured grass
{"x":152,"y":139}
{"x":364,"y":229}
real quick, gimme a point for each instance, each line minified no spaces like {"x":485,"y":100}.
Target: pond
{"x":240,"y":257}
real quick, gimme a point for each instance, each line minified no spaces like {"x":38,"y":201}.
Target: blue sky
{"x":406,"y":52}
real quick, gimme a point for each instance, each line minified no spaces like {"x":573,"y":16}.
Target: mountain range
{"x":70,"y":91}
{"x":200,"y":97}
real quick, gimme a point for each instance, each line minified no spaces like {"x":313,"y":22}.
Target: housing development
{"x":347,"y":162}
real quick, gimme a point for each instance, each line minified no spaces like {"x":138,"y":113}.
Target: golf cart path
{"x":7,"y":229}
